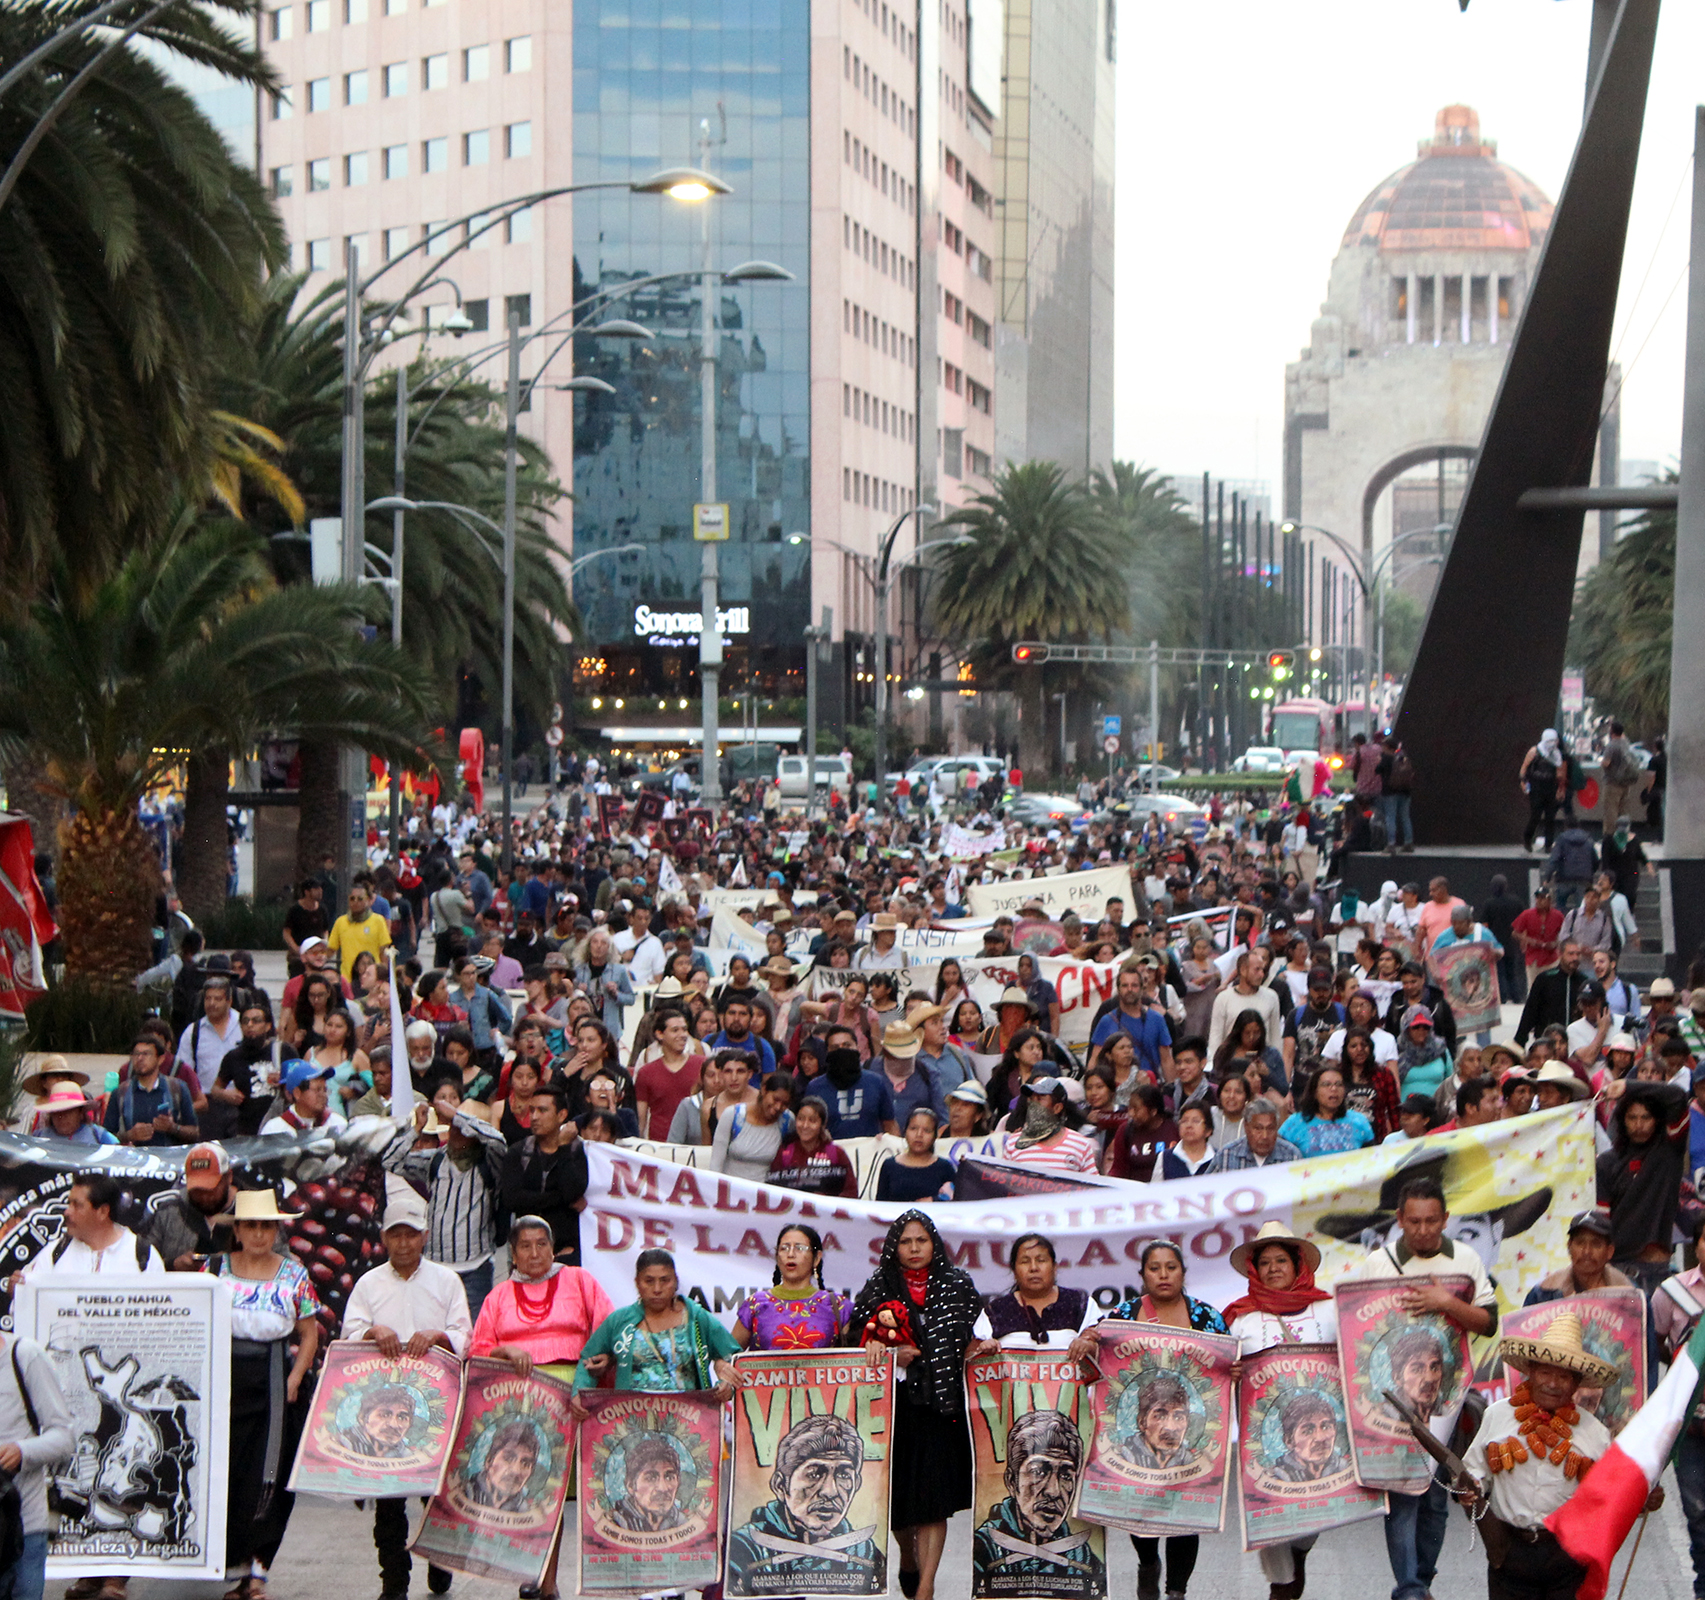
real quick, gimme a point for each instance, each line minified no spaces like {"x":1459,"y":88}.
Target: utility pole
{"x":816,"y":647}
{"x":352,"y":777}
{"x":397,"y":582}
{"x":1154,"y":717}
{"x":512,"y":407}
{"x":710,"y":635}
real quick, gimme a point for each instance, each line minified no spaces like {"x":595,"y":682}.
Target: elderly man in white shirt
{"x":406,"y":1307}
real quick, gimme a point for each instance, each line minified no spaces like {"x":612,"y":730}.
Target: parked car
{"x":1261,"y":758}
{"x":833,"y":772}
{"x":1169,"y":808}
{"x":1043,"y":810}
{"x":1158,"y":771}
{"x":963,"y":775}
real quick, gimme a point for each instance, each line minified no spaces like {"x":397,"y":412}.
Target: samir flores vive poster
{"x":145,"y":1366}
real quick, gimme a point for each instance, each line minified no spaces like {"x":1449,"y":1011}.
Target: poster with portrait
{"x":1161,"y":1451}
{"x":1030,"y":1433}
{"x":1468,"y":976}
{"x":379,"y":1428}
{"x":1294,"y":1462}
{"x":1613,"y":1328}
{"x":808,"y":1507}
{"x":498,"y":1512}
{"x":1420,"y":1355}
{"x":145,"y":1367}
{"x":650,"y":1487}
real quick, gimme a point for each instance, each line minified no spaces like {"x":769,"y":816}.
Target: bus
{"x":1302,"y":724}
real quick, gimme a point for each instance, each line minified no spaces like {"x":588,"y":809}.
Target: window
{"x":518,"y":305}
{"x":953,"y":452}
{"x":319,"y":175}
{"x":319,"y":15}
{"x":520,"y":227}
{"x":518,"y":140}
{"x":355,"y":88}
{"x":283,"y":105}
{"x":435,"y":72}
{"x":434,"y":155}
{"x":476,"y":148}
{"x":437,"y":236}
{"x":477,"y":312}
{"x":953,"y":380}
{"x":518,"y":54}
{"x":481,"y":233}
{"x":283,"y":182}
{"x":355,"y":169}
{"x":396,"y":161}
{"x":319,"y":255}
{"x":395,"y":8}
{"x":979,"y":263}
{"x":396,"y":241}
{"x":396,"y":79}
{"x":359,"y":241}
{"x":952,"y":237}
{"x":981,"y":399}
{"x":319,"y":94}
{"x":283,"y":23}
{"x":979,"y":330}
{"x":476,"y":63}
{"x":977,"y":461}
{"x":354,"y":11}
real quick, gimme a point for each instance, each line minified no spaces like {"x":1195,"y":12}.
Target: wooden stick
{"x":1639,"y":1534}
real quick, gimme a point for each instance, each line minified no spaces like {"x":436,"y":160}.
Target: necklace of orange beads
{"x":1546,"y":1435}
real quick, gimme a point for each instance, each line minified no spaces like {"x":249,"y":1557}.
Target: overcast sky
{"x":1250,"y":131}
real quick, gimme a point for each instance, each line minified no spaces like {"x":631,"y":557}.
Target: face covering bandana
{"x":1041,"y":1121}
{"x":842,"y":1067}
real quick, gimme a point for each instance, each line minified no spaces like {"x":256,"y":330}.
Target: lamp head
{"x":619,"y":328}
{"x":757,"y":272}
{"x":681,"y":183}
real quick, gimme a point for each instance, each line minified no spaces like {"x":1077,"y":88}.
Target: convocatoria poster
{"x":1613,"y":1328}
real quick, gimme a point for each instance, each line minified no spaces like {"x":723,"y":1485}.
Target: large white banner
{"x":145,"y":1366}
{"x":1511,"y":1187}
{"x":1086,"y":893}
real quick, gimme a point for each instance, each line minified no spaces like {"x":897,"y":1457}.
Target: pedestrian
{"x":794,"y":1311}
{"x":543,"y":1313}
{"x":186,"y":1225}
{"x":1639,"y":1178}
{"x":917,"y":1174}
{"x":1323,"y":1122}
{"x":1048,"y":1137}
{"x":918,"y":1304}
{"x":1282,"y":1306}
{"x":1397,"y":786}
{"x":661,"y":1344}
{"x":272,"y":1302}
{"x":1544,"y":772}
{"x":35,"y":1436}
{"x":545,"y":1174}
{"x":1035,"y":1313}
{"x":1415,"y":1523}
{"x":1620,"y":777}
{"x":1553,"y":996}
{"x":1571,"y":864}
{"x":406,"y":1304}
{"x":1591,"y":1244}
{"x":1260,"y":1145}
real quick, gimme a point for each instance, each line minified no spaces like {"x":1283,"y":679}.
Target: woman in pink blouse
{"x":542,"y":1314}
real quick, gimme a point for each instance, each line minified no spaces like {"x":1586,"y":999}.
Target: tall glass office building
{"x":653,"y":79}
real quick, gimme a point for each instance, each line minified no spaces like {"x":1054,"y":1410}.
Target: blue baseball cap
{"x":297,"y":1073}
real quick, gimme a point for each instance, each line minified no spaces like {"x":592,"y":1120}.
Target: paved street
{"x":328,"y":1555}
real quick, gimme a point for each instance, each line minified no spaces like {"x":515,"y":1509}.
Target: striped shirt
{"x":1067,"y":1151}
{"x":462,"y":1205}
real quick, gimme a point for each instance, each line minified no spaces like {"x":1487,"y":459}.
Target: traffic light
{"x":1029,"y":655}
{"x":1280,"y":663}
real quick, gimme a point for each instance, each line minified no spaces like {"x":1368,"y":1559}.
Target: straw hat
{"x":901,"y":1041}
{"x":1272,"y":1233}
{"x":1555,"y":1072}
{"x":255,"y":1205}
{"x":51,"y":1066}
{"x":65,"y":1097}
{"x":779,"y":966}
{"x":1559,"y":1346}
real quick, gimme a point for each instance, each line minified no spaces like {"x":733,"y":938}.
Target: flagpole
{"x":1640,"y":1533}
{"x":402,"y":1078}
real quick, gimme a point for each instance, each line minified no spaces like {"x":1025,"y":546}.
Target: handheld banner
{"x":1294,"y":1466}
{"x":1421,"y":1356}
{"x":650,"y":1492}
{"x":1613,"y":1328}
{"x":1162,"y":1447}
{"x":379,"y":1429}
{"x":1086,"y":893}
{"x":808,"y":1511}
{"x":501,"y":1505}
{"x":1469,"y":978}
{"x":1030,"y":1431}
{"x":145,"y":1367}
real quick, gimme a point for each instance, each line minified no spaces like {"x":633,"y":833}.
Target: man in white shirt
{"x":1248,"y":991}
{"x":1415,"y":1523}
{"x":205,"y":1043}
{"x":641,"y":949}
{"x":91,"y":1242}
{"x":406,"y":1307}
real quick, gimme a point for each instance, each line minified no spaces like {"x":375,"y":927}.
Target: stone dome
{"x":1456,"y":196}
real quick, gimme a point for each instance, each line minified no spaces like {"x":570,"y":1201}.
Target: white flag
{"x":668,"y":879}
{"x":402,"y":1080}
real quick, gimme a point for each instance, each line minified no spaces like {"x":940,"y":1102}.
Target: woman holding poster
{"x":1035,"y":1313}
{"x":1282,"y":1307}
{"x":543,"y":1313}
{"x":796,"y":1312}
{"x":924,"y":1307}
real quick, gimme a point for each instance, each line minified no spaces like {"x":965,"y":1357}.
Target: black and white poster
{"x":145,"y":1365}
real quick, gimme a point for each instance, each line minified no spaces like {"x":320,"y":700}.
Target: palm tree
{"x":188,"y":649}
{"x":291,"y":383}
{"x":1622,"y":627}
{"x":131,"y":250}
{"x":1043,"y":563}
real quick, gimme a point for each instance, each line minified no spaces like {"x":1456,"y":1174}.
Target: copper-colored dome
{"x":1457,"y":196}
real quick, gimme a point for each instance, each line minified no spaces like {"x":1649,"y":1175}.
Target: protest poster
{"x":1468,"y":975}
{"x":808,"y":1504}
{"x":650,"y":1492}
{"x":1511,"y":1186}
{"x":145,"y":1367}
{"x":1613,"y":1328}
{"x":1085,"y":893}
{"x":1160,"y":1457}
{"x":379,"y":1428}
{"x":501,"y":1505}
{"x":979,"y":1179}
{"x":1420,"y":1356}
{"x":1030,"y":1431}
{"x":1294,"y":1466}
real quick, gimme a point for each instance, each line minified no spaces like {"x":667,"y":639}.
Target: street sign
{"x":1111,"y":744}
{"x":1111,"y":727}
{"x":553,"y":736}
{"x":710,"y":523}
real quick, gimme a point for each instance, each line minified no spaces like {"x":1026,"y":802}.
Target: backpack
{"x":127,"y":1105}
{"x":1402,"y":779}
{"x":63,"y":1243}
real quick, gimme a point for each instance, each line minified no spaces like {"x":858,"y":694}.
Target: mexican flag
{"x":1593,"y":1523}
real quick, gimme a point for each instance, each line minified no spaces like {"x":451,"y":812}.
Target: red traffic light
{"x":1280,"y":658}
{"x":1029,"y":654}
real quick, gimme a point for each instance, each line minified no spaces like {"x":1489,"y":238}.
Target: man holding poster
{"x":1415,"y":1523}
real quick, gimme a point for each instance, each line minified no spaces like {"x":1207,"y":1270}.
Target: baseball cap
{"x":297,"y":1073}
{"x":970,"y":1091}
{"x":1596,"y":1221}
{"x":1417,"y":1017}
{"x":406,"y":1211}
{"x":1622,"y":1040}
{"x":312,"y":942}
{"x":1048,"y":1086}
{"x":205,"y":1166}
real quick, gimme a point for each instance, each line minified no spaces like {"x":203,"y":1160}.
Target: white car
{"x":1261,"y":758}
{"x":833,"y":772}
{"x":1169,"y":808}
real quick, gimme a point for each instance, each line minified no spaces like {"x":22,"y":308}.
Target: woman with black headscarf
{"x":924,"y":1308}
{"x":1639,"y":1178}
